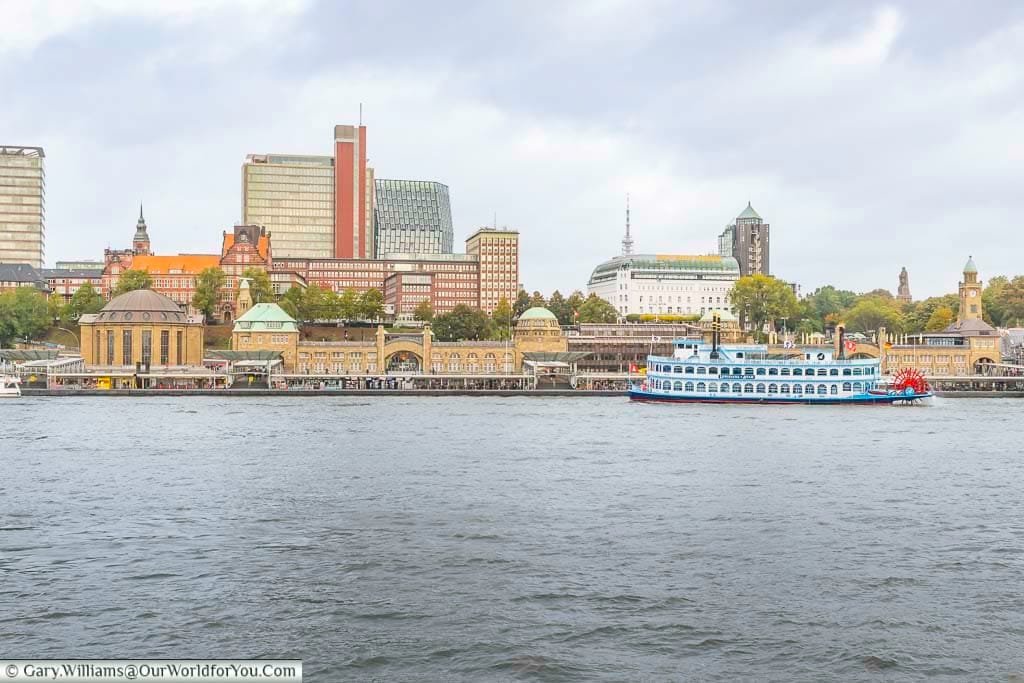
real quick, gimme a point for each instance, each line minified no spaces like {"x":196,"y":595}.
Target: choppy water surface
{"x":533,"y":539}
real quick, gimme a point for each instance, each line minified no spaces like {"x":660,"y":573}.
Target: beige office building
{"x":293,"y":197}
{"x":498,"y":253}
{"x":22,"y":205}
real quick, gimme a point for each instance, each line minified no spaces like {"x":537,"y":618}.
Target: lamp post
{"x":64,"y":329}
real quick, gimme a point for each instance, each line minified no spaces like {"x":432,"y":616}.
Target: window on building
{"x":180,"y":347}
{"x":165,"y":343}
{"x":126,"y":347}
{"x":147,"y":347}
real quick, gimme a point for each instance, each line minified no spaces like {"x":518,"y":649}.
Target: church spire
{"x":627,"y":241}
{"x":140,"y":243}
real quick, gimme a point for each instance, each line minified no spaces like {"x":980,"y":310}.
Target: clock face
{"x":974,"y":293}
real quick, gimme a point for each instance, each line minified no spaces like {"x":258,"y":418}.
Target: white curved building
{"x":662,"y":283}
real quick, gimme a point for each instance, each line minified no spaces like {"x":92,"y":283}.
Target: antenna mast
{"x":627,"y":241}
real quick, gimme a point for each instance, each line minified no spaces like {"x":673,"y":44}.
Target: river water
{"x":542,"y":539}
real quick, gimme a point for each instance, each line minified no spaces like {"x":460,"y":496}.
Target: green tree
{"x":501,"y":320}
{"x":131,"y":280}
{"x":260,"y":288}
{"x":871,"y":313}
{"x":330,"y":306}
{"x":348,"y":304}
{"x":917,"y":314}
{"x":371,"y":305}
{"x":209,"y":282}
{"x":8,"y":333}
{"x":305,"y":305}
{"x":573,"y":305}
{"x":761,"y":299}
{"x":993,"y":300}
{"x":314,"y":303}
{"x":291,"y":302}
{"x":55,"y":307}
{"x":424,"y":311}
{"x":941,"y":318}
{"x":826,"y":305}
{"x":1013,"y":301}
{"x":883,"y":294}
{"x":522,"y":303}
{"x":597,"y":310}
{"x":24,"y":314}
{"x":808,"y":326}
{"x":463,"y":323}
{"x":558,"y":306}
{"x":85,"y":300}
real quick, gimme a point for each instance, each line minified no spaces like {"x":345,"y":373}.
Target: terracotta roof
{"x":185,"y":263}
{"x":261,"y":246}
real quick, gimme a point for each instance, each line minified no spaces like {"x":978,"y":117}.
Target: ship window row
{"x":749,"y":388}
{"x":785,"y":372}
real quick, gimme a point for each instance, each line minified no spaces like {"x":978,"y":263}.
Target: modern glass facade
{"x":22,"y":206}
{"x":411,"y":217}
{"x":293,"y":197}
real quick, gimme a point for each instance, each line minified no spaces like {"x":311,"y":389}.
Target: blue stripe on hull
{"x":861,"y":399}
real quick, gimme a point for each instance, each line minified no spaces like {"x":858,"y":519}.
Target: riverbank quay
{"x":536,"y":393}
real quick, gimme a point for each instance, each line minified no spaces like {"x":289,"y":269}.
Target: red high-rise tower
{"x":352,"y":217}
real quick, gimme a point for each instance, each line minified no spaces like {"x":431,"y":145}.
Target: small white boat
{"x":10,"y":384}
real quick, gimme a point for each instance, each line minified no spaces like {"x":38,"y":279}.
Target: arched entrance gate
{"x":404,"y":362}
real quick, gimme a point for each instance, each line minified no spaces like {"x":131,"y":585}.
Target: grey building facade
{"x":747,"y":241}
{"x":412,"y":217}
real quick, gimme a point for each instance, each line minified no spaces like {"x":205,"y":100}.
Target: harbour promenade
{"x":960,"y":389}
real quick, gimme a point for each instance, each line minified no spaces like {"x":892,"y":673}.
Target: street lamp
{"x":64,"y":329}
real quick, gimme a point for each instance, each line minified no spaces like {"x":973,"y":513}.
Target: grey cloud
{"x":864,"y":156}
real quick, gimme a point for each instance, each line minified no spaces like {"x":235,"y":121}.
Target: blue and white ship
{"x":698,"y":372}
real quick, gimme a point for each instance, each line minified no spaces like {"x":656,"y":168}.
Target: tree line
{"x":765,"y":301}
{"x":570,"y":310}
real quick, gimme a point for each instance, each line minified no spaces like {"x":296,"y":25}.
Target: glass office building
{"x":293,"y":197}
{"x":412,"y":217}
{"x":22,"y":206}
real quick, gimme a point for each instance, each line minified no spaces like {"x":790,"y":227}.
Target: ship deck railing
{"x":751,"y":360}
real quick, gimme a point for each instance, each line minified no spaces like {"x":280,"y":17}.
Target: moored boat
{"x":10,"y":384}
{"x":698,"y":372}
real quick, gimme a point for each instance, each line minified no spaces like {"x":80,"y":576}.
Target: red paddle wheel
{"x":910,"y":378}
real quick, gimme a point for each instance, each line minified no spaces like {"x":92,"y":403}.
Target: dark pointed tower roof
{"x":140,"y":227}
{"x":749,"y":213}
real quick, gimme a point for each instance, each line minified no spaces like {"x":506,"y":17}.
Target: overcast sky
{"x":870,"y":136}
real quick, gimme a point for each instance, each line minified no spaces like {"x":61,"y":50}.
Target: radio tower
{"x":627,"y":241}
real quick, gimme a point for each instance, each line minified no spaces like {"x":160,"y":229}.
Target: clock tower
{"x":970,"y":293}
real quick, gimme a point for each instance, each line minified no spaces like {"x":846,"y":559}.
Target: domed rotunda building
{"x":144,"y":327}
{"x":538,"y":330}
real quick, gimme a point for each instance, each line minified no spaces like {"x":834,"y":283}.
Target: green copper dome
{"x":537,"y":313}
{"x":749,"y":213}
{"x":970,"y":267}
